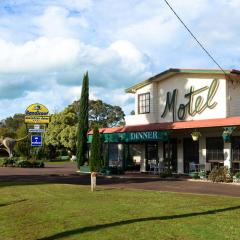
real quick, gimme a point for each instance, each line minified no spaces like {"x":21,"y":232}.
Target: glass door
{"x":151,"y":154}
{"x":190,"y":153}
{"x":170,"y":154}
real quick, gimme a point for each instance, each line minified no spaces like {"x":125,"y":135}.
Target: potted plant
{"x":226,"y":136}
{"x":202,"y":174}
{"x":195,"y":135}
{"x":236,"y":178}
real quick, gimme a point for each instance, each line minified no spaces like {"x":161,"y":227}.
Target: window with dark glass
{"x":144,"y":103}
{"x":235,"y":149}
{"x":214,"y":147}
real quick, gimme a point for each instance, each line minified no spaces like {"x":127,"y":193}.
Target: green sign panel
{"x":145,"y":136}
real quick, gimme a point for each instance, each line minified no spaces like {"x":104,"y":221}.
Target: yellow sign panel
{"x":36,"y":109}
{"x":37,"y":119}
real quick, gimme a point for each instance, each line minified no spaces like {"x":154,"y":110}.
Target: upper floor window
{"x":144,"y":103}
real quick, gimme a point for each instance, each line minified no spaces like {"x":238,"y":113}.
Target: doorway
{"x":170,"y":154}
{"x":151,"y":154}
{"x":190,"y":152}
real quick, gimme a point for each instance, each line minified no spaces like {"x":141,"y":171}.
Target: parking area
{"x":66,"y":173}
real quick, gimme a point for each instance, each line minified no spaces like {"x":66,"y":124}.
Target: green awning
{"x":127,"y":137}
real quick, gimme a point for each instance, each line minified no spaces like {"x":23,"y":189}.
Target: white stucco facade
{"x":213,"y":96}
{"x":225,"y":97}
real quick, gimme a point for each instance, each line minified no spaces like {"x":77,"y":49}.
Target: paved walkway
{"x":66,"y":173}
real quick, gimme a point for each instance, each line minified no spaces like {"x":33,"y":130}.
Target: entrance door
{"x":151,"y":153}
{"x":190,"y":152}
{"x":170,"y":154}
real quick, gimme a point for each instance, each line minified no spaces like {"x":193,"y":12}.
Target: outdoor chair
{"x":192,"y":167}
{"x":208,"y":167}
{"x":161,"y":167}
{"x":152,"y":166}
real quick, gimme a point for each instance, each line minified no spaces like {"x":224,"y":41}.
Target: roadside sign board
{"x":36,"y":140}
{"x":37,"y":119}
{"x":33,"y":130}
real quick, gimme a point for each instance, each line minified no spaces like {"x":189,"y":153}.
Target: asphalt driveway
{"x":66,"y":173}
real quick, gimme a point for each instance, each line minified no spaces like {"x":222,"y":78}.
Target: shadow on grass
{"x":136,"y":220}
{"x":11,"y":180}
{"x":12,"y":202}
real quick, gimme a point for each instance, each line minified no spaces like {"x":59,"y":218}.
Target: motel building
{"x":185,"y":119}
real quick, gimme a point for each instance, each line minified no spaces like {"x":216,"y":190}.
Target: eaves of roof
{"x":173,"y":71}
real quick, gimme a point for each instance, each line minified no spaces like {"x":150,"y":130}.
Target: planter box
{"x":194,"y":175}
{"x":84,"y":169}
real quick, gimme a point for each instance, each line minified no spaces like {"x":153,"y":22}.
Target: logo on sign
{"x":36,"y":109}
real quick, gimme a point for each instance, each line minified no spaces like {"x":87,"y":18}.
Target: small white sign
{"x":36,"y":126}
{"x":36,"y":130}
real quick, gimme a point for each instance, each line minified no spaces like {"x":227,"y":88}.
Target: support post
{"x":168,"y":154}
{"x":93,"y":181}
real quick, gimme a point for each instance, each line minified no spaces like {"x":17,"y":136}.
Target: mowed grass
{"x":61,"y":211}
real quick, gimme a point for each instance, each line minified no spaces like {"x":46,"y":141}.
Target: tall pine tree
{"x":82,"y":128}
{"x":95,"y":161}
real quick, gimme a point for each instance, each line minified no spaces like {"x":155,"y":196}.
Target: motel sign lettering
{"x":196,"y":103}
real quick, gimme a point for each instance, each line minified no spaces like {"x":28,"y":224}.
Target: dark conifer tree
{"x":82,"y":128}
{"x":95,"y":161}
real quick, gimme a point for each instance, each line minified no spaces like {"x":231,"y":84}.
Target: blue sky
{"x":47,"y":45}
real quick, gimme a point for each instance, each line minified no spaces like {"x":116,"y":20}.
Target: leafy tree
{"x":105,"y":115}
{"x":5,"y":132}
{"x":95,"y":161}
{"x":13,"y":123}
{"x":10,"y":125}
{"x":82,"y":127}
{"x":22,"y":147}
{"x":61,"y":131}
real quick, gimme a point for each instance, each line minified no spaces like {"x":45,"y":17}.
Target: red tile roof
{"x":207,"y":123}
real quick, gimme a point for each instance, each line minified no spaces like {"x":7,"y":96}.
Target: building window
{"x":214,"y":148}
{"x":115,"y":155}
{"x":144,"y":103}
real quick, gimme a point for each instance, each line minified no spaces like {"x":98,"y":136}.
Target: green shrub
{"x":237,"y":175}
{"x":1,"y":162}
{"x":221,"y":174}
{"x":30,"y":164}
{"x":38,"y":164}
{"x":9,"y":162}
{"x":165,"y":174}
{"x":24,"y":164}
{"x":202,"y":174}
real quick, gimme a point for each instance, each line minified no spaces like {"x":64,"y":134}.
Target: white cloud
{"x":57,"y":22}
{"x":120,"y":43}
{"x":38,"y":55}
{"x":132,"y":59}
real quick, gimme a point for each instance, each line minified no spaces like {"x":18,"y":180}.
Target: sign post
{"x":93,"y":181}
{"x":36,"y":118}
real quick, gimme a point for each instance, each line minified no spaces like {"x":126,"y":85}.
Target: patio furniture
{"x":152,"y":166}
{"x":192,"y":167}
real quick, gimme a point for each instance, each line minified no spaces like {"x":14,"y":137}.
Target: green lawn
{"x":60,"y":211}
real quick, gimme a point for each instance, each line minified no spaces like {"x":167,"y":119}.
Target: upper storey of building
{"x":186,"y":95}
